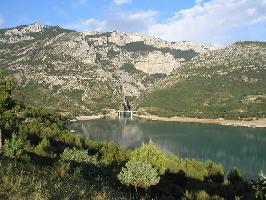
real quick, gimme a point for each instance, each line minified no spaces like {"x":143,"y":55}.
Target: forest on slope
{"x":227,"y":83}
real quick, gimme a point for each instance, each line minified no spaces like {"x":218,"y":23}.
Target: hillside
{"x":41,"y":159}
{"x":225,"y":83}
{"x":72,"y":72}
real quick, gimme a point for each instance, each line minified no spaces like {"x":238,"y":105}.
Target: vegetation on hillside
{"x":259,"y":187}
{"x":41,"y":159}
{"x":228,"y":83}
{"x":71,"y":72}
{"x":141,"y":47}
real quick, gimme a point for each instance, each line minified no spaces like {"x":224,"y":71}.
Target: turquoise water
{"x":232,"y":146}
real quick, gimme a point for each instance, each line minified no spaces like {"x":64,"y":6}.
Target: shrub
{"x":259,"y":187}
{"x":234,"y":176}
{"x":172,"y":163}
{"x":13,"y":148}
{"x":193,"y":168}
{"x":80,"y":156}
{"x":91,"y":144}
{"x":215,"y":172}
{"x":138,"y":174}
{"x":62,"y":168}
{"x":151,"y":154}
{"x":79,"y":141}
{"x":43,"y":149}
{"x":201,"y":195}
{"x":112,"y":154}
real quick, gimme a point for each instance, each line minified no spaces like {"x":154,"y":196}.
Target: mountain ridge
{"x":93,"y":72}
{"x":225,"y":83}
{"x":71,"y":71}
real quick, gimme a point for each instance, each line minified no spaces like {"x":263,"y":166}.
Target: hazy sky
{"x":210,"y":21}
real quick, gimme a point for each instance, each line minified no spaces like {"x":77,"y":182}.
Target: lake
{"x":242,"y":147}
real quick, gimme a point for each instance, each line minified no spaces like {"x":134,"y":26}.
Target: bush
{"x":234,"y":176}
{"x":62,"y":168}
{"x":139,"y":174}
{"x":13,"y":148}
{"x":112,"y":154}
{"x":79,"y":141}
{"x":151,"y":154}
{"x":172,"y":163}
{"x":201,"y":195}
{"x":44,"y":148}
{"x":215,"y":172}
{"x":80,"y":156}
{"x":193,"y":168}
{"x":259,"y":187}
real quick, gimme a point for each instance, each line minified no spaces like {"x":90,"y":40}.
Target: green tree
{"x":5,"y":91}
{"x":112,"y":154}
{"x":43,"y":149}
{"x":234,"y":176}
{"x":78,"y":156}
{"x":259,"y":187}
{"x":215,"y":171}
{"x":150,"y":153}
{"x":138,"y":174}
{"x":13,"y":148}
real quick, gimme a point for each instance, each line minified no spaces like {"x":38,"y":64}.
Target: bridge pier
{"x":126,"y":114}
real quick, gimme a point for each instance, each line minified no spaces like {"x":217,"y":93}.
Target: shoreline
{"x":87,"y":117}
{"x":259,"y":123}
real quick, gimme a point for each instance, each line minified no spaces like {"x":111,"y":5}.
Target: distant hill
{"x":75,"y":71}
{"x":226,"y":83}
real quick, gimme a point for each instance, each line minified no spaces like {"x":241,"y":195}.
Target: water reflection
{"x":232,"y":146}
{"x":121,"y":131}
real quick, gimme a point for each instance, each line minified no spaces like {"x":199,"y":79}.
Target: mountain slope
{"x":226,"y":83}
{"x":70,"y":71}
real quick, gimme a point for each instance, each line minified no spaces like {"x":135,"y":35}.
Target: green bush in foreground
{"x":259,"y":187}
{"x":153,"y":155}
{"x":139,"y":174}
{"x":78,"y":156}
{"x":235,"y":176}
{"x":202,"y":195}
{"x":13,"y":148}
{"x":215,"y":172}
{"x":112,"y":154}
{"x":43,"y":148}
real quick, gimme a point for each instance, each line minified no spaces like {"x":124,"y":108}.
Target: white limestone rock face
{"x":158,"y":57}
{"x":157,"y":62}
{"x":17,"y":35}
{"x":14,"y":36}
{"x":87,"y":67}
{"x":34,"y":28}
{"x":121,"y":38}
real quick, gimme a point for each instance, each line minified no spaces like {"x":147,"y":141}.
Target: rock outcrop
{"x":69,"y":70}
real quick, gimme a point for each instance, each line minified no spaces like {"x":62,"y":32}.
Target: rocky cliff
{"x":73,"y":71}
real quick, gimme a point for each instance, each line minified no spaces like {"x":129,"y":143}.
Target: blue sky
{"x":220,"y":22}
